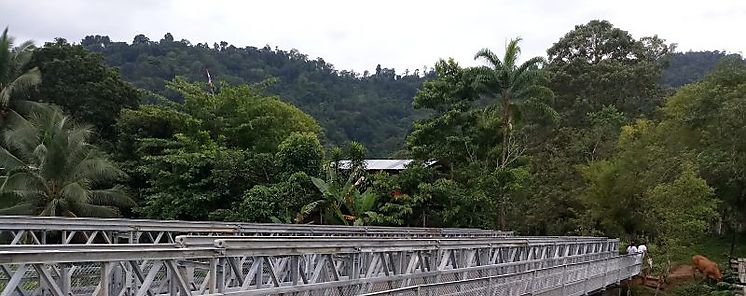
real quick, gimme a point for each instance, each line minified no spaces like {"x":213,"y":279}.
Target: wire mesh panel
{"x":84,"y":278}
{"x":547,"y":279}
{"x":566,"y":280}
{"x":27,"y":278}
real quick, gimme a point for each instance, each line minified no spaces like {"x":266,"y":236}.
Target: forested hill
{"x":372,"y":108}
{"x":687,"y":67}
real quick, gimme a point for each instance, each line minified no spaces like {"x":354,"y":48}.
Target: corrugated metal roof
{"x":382,"y":164}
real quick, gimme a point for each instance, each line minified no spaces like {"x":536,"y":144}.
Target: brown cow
{"x":707,"y":267}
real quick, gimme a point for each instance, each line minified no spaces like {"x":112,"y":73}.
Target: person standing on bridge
{"x":631,"y":249}
{"x":642,"y":249}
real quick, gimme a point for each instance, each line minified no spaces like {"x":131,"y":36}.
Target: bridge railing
{"x":59,"y":230}
{"x":288,"y":265}
{"x":573,"y":279}
{"x":126,"y":257}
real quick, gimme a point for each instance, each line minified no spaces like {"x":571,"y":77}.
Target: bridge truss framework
{"x":62,"y":257}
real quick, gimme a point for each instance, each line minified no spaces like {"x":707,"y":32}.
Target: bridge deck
{"x":304,"y":260}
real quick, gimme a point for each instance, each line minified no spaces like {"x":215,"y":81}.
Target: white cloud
{"x":361,"y":34}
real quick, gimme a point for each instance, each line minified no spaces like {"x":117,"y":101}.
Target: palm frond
{"x":541,"y":109}
{"x":96,"y":168}
{"x":6,"y":44}
{"x":23,"y":183}
{"x":25,"y":106}
{"x":490,"y":57}
{"x":20,"y":136}
{"x":77,"y":134}
{"x":20,"y":56}
{"x":512,"y":52}
{"x":115,"y":197}
{"x":485,"y":80}
{"x":75,"y":193}
{"x":24,"y":208}
{"x":525,"y":79}
{"x":10,"y":162}
{"x":21,"y":84}
{"x":26,"y":45}
{"x":540,"y":92}
{"x":531,"y":64}
{"x":98,"y":211}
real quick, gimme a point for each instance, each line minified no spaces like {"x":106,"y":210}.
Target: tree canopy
{"x":212,"y":147}
{"x":83,"y":85}
{"x":597,"y":64}
{"x":610,"y":135}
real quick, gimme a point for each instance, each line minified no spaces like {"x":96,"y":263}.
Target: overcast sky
{"x":360,"y":34}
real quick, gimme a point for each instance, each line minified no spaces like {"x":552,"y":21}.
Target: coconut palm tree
{"x":13,"y":78}
{"x":510,"y":83}
{"x":52,"y":170}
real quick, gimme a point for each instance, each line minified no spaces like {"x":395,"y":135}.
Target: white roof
{"x":382,"y":164}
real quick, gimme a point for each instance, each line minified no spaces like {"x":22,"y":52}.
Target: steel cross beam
{"x":313,"y":266}
{"x":59,"y":230}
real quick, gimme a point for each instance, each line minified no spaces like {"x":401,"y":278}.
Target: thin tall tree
{"x":510,"y":83}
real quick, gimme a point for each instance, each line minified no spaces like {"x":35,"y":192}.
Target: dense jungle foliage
{"x":606,"y":135}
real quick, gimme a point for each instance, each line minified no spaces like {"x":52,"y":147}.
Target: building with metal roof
{"x":382,"y":164}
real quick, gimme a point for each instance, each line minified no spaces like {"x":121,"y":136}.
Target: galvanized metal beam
{"x":297,"y":260}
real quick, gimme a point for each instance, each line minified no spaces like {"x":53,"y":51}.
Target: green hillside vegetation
{"x":607,"y":135}
{"x":372,"y":108}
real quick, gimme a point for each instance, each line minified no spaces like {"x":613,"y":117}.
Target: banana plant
{"x":343,"y":203}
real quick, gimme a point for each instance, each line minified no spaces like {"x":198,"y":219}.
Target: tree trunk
{"x":503,"y":223}
{"x":506,"y":127}
{"x":733,"y":242}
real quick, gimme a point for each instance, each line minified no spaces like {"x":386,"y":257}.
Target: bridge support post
{"x":213,"y":276}
{"x":532,"y":283}
{"x":117,"y":277}
{"x":260,"y":272}
{"x":220,"y":275}
{"x":354,"y":271}
{"x":490,"y":286}
{"x":187,"y":272}
{"x":105,"y":283}
{"x":64,"y":280}
{"x":564,"y":278}
{"x":170,"y":283}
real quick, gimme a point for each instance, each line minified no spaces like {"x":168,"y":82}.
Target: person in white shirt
{"x":631,"y":249}
{"x":642,"y":249}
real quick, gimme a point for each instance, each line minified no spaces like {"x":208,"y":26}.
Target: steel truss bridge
{"x":42,"y":256}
